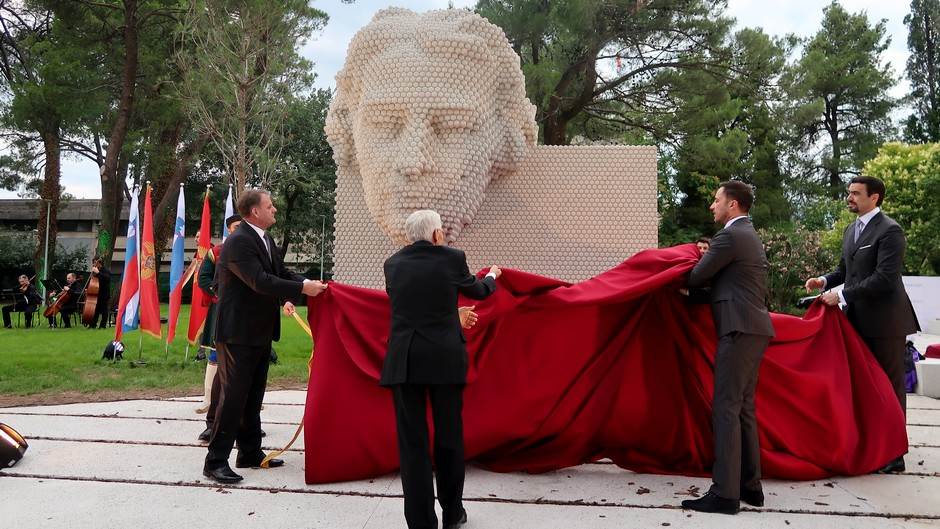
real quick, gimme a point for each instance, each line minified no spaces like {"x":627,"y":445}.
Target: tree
{"x":305,"y":180}
{"x":240,"y":67}
{"x":912,"y":180}
{"x":923,"y":70}
{"x":580,"y":56}
{"x":727,"y":129}
{"x":39,"y":92}
{"x":838,"y":92}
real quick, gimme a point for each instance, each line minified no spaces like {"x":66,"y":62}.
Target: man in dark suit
{"x":27,"y":301}
{"x":735,"y":267}
{"x":252,"y":282}
{"x":876,"y":302}
{"x":427,"y":360}
{"x":103,"y":304}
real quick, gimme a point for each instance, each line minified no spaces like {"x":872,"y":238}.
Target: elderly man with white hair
{"x":427,"y":360}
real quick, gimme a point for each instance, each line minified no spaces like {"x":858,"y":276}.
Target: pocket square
{"x":866,"y":246}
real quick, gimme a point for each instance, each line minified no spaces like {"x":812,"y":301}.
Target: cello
{"x":53,"y":308}
{"x":91,"y":297}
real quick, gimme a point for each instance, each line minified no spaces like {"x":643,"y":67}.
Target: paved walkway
{"x":137,"y":464}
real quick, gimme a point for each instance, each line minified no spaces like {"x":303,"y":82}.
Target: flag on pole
{"x":197,"y":315}
{"x":229,"y":211}
{"x":130,"y":281}
{"x":176,"y":266}
{"x":149,"y":302}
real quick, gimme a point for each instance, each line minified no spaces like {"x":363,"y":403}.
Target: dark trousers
{"x":737,"y":449}
{"x":890,"y":355}
{"x":413,"y":451}
{"x":18,"y":307}
{"x":66,"y":316}
{"x":101,"y":311}
{"x":243,"y":375}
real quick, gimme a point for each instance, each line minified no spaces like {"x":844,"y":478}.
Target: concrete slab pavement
{"x":137,"y":463}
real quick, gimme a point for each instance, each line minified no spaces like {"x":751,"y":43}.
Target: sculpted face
{"x":428,"y":110}
{"x":426,"y":150}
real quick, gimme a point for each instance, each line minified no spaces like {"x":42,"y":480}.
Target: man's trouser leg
{"x":446,"y":408}
{"x":890,"y":355}
{"x":239,"y":366}
{"x":417,"y":480}
{"x":737,"y":362}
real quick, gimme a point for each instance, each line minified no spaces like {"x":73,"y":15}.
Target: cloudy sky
{"x":328,"y":49}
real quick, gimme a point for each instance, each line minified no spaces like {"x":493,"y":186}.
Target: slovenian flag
{"x":229,"y":211}
{"x":176,"y":266}
{"x":130,"y":282}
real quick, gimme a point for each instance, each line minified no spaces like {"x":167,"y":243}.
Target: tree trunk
{"x":50,"y":193}
{"x":555,"y":131}
{"x":171,"y":173}
{"x":111,"y":188}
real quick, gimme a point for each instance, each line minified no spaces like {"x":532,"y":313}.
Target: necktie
{"x":858,"y":229}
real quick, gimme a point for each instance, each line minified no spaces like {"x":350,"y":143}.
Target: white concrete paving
{"x":137,"y":463}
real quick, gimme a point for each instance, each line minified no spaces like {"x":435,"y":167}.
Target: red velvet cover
{"x":618,"y":366}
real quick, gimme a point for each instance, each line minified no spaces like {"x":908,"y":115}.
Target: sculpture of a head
{"x":428,"y":109}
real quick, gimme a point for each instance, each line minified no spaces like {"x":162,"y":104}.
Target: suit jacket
{"x":736,"y":267}
{"x":251,"y":287}
{"x":425,"y":343}
{"x":877,"y":304}
{"x":104,"y":285}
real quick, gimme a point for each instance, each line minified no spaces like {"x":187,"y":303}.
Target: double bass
{"x":91,"y":298}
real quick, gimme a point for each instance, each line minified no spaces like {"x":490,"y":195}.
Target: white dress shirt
{"x":260,"y":233}
{"x":732,"y":221}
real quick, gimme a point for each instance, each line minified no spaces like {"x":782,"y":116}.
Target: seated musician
{"x":74,"y":287}
{"x":27,"y":300}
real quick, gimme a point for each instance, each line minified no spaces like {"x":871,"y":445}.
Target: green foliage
{"x":838,"y":97}
{"x":923,"y":70}
{"x":305,"y":181}
{"x":794,"y":255}
{"x":16,"y":255}
{"x":912,"y":179}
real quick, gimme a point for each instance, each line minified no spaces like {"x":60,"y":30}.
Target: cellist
{"x":74,"y":288}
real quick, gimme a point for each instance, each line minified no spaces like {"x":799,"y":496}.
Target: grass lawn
{"x":43,"y":365}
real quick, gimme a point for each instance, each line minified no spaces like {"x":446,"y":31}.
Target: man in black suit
{"x":736,"y":269}
{"x":876,"y":302}
{"x":427,"y":360}
{"x":252,"y":282}
{"x":103,"y":304}
{"x":74,"y":286}
{"x":27,"y":300}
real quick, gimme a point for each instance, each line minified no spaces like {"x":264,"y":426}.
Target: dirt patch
{"x":72,"y":397}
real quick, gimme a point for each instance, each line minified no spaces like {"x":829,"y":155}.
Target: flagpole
{"x":140,"y":332}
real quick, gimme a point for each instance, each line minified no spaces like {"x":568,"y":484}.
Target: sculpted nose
{"x":414,"y":158}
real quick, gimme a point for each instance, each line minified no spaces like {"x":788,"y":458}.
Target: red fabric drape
{"x":618,"y":366}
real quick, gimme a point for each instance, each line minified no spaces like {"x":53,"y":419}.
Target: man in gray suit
{"x":735,"y":267}
{"x":876,"y":302}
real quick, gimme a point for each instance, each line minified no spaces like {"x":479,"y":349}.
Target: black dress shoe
{"x":894,"y":467}
{"x":221,"y":474}
{"x":463,"y":520}
{"x":274,"y":463}
{"x":263,"y":433}
{"x":754,"y":498}
{"x":714,"y":503}
{"x":205,"y":435}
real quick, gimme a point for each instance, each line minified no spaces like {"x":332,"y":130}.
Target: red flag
{"x":197,"y":314}
{"x":149,"y":302}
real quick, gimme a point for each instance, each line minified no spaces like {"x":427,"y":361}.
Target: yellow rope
{"x":303,"y":324}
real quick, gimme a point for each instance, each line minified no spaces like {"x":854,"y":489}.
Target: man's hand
{"x":312,"y":288}
{"x":495,"y":271}
{"x":468,"y":318}
{"x":684,"y":291}
{"x":289,"y":309}
{"x":815,"y":283}
{"x":830,"y":298}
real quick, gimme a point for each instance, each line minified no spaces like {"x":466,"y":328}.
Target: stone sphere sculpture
{"x":429,"y":108}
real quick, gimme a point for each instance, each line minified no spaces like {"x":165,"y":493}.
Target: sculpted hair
{"x":249,"y":199}
{"x":420,"y":225}
{"x":738,"y":190}
{"x":872,"y":185}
